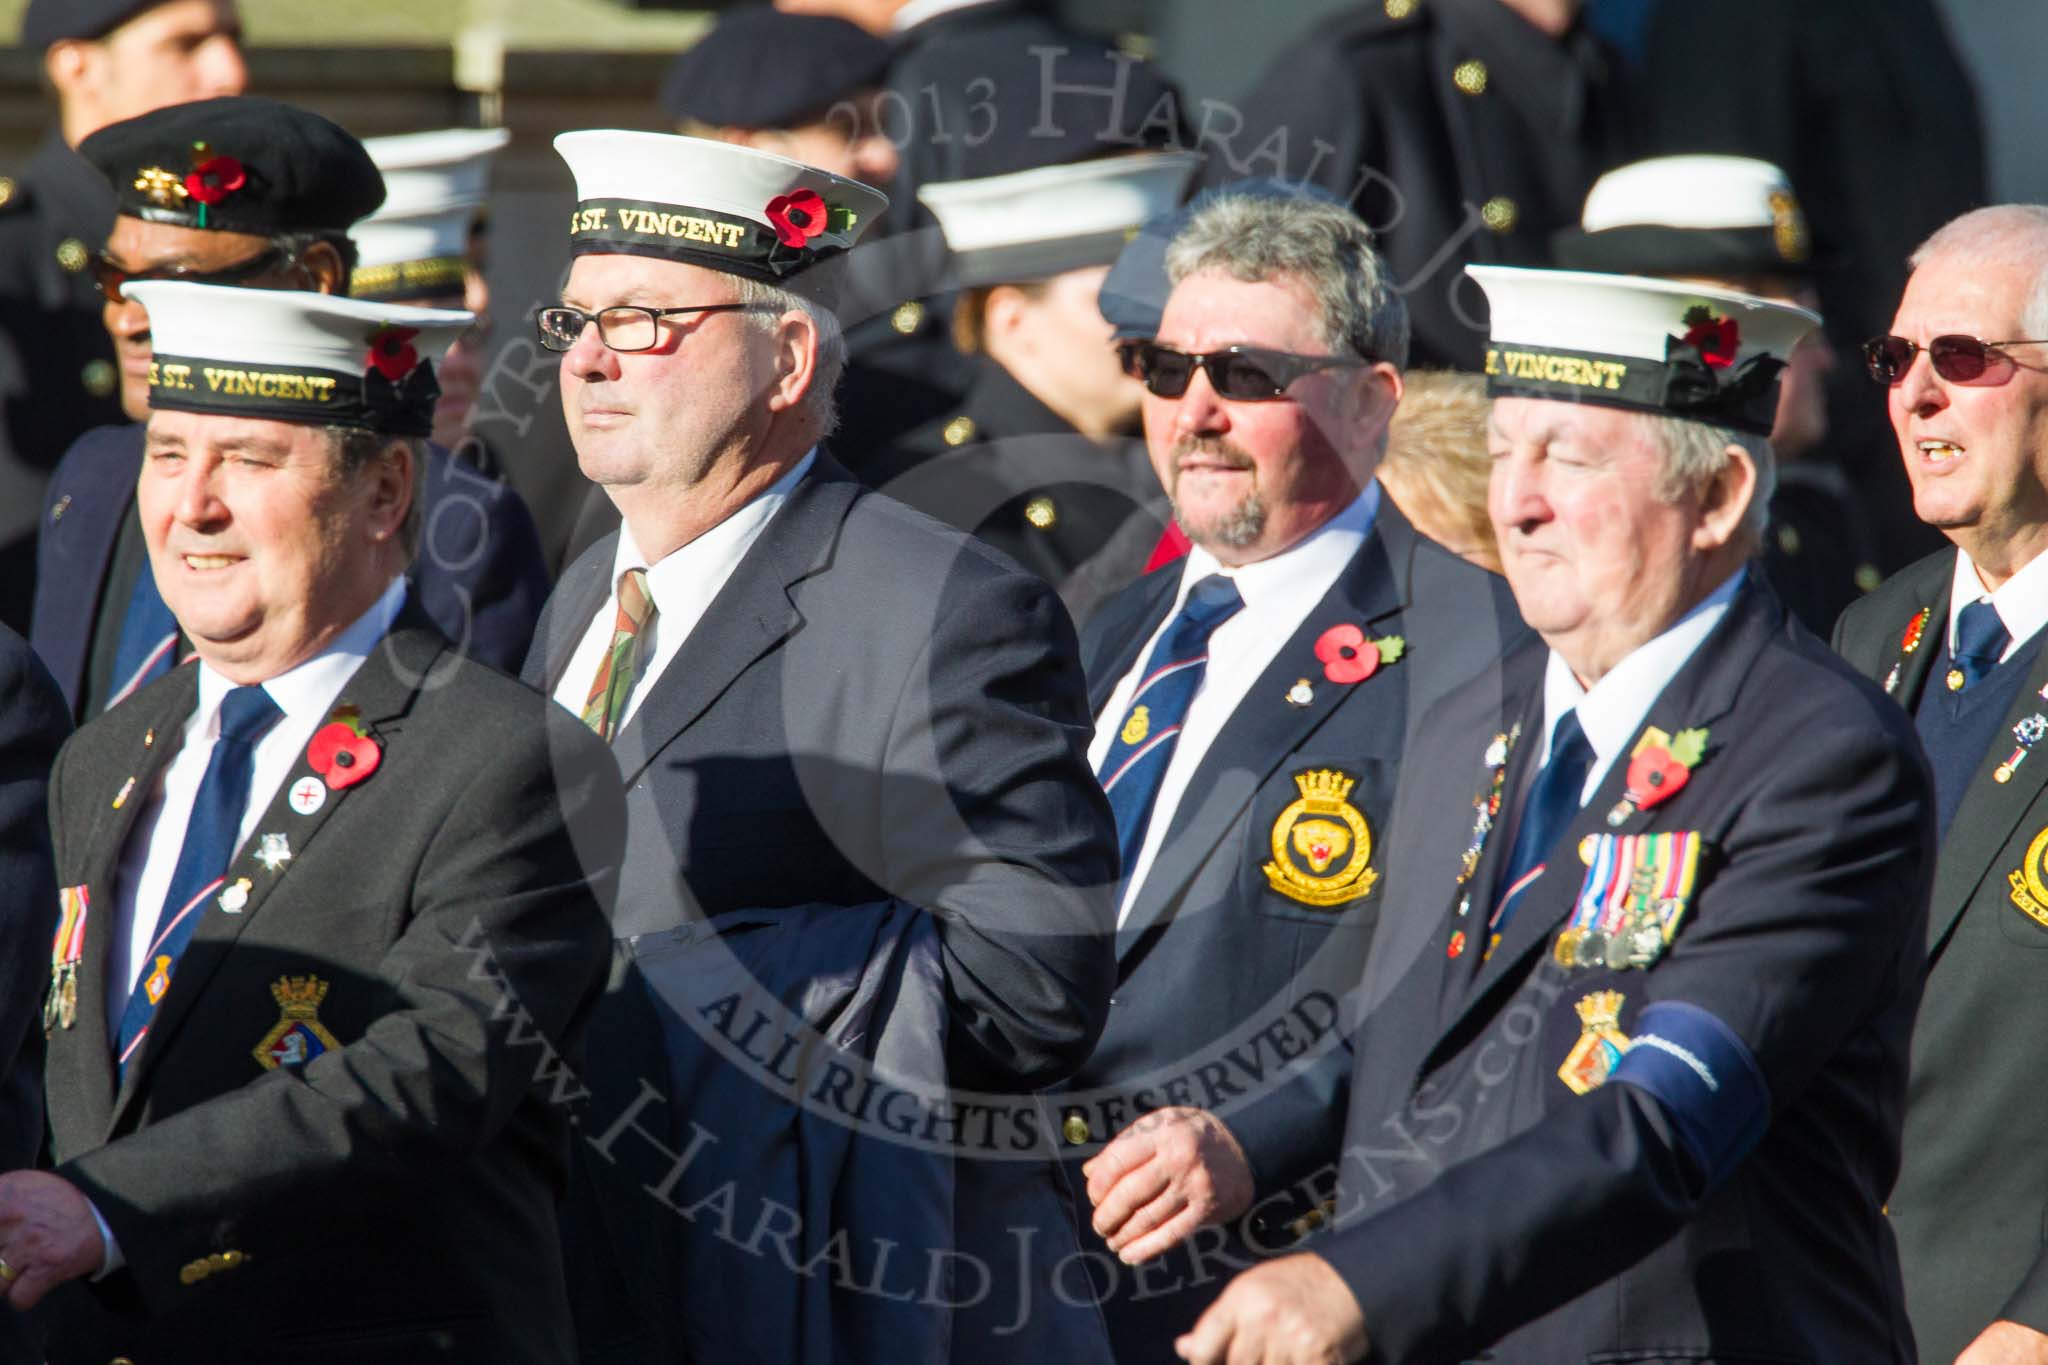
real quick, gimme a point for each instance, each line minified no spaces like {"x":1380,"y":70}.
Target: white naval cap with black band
{"x":416,"y":245}
{"x":712,"y":204}
{"x":1032,"y":225}
{"x":1626,"y":341}
{"x":295,"y":357}
{"x":1689,"y":215}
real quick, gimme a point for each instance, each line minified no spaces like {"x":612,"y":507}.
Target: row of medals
{"x":1638,"y":944}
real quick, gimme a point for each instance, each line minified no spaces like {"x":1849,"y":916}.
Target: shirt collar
{"x":312,"y":686}
{"x":675,"y":578}
{"x":921,"y":11}
{"x":1319,"y":556}
{"x":1613,"y":709}
{"x":2021,"y":601}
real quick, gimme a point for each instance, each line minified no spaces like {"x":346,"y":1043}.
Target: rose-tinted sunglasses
{"x":1956,"y":358}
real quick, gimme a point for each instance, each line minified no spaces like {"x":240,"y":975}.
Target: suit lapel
{"x":1122,"y":631}
{"x":381,"y":690}
{"x":1990,"y":809}
{"x":1267,"y":727}
{"x":155,"y":722}
{"x":751,"y":615}
{"x":1915,"y":638}
{"x":583,"y":591}
{"x":1701,"y":693}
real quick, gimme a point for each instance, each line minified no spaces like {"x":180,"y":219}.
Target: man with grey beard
{"x":1252,"y":704}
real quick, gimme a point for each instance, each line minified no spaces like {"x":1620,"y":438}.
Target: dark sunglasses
{"x":1249,"y":374}
{"x":1956,"y":358}
{"x":110,"y":275}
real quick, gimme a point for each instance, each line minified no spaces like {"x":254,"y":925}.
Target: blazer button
{"x":1075,"y":1128}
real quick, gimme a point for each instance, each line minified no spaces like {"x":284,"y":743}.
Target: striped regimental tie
{"x":616,"y":672}
{"x":1136,"y":762}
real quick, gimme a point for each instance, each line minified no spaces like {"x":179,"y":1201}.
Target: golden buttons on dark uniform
{"x":57,"y":512}
{"x":959,"y":431}
{"x":6,"y":189}
{"x":1470,"y":77}
{"x":97,"y":377}
{"x":71,"y":254}
{"x":211,"y":1264}
{"x":1500,"y":213}
{"x":908,"y":317}
{"x":1400,"y":9}
{"x":1041,"y":513}
{"x":1074,"y":1128}
{"x":1788,"y":540}
{"x":1868,"y":577}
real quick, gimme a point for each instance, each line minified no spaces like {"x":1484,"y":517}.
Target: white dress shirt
{"x":1612,"y":711}
{"x":681,"y":586}
{"x":306,"y":694}
{"x":1278,"y":594}
{"x":2021,"y":601}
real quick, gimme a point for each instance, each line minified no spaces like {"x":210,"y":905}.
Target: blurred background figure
{"x":1041,"y":458}
{"x":1460,"y":130}
{"x":426,"y":246}
{"x":1436,"y":467}
{"x":104,"y":60}
{"x":1734,"y":223}
{"x":1874,"y":116}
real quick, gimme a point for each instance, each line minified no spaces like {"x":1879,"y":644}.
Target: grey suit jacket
{"x":1971,"y":1205}
{"x":393,"y":1198}
{"x":875,"y":709}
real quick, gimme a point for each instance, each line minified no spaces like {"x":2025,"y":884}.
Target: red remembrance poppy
{"x":1655,"y":776}
{"x":1717,"y":339}
{"x":796,"y":217}
{"x":215,"y":178}
{"x":1347,"y":656}
{"x":341,"y":755}
{"x":392,"y":354}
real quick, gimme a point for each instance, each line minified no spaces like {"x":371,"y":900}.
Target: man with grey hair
{"x":1630,"y":1072}
{"x":1956,"y":638}
{"x":1253,"y":703}
{"x":843,"y":725}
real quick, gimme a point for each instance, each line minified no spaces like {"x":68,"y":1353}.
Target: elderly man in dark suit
{"x":1253,"y":786}
{"x":327,"y":900}
{"x":1632,"y":1067}
{"x":1956,"y":638}
{"x":280,"y":190}
{"x":829,"y":711}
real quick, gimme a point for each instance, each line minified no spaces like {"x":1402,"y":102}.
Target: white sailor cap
{"x":1689,"y":215}
{"x":415,"y":246}
{"x":295,"y":357}
{"x":1711,"y":355}
{"x":1032,"y":225}
{"x":712,"y":204}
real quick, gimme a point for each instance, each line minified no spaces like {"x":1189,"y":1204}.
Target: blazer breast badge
{"x":2030,"y":883}
{"x":1322,"y":847}
{"x":298,"y":1036}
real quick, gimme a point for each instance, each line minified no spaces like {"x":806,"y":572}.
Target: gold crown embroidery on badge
{"x":1599,"y":1011}
{"x":299,"y":996}
{"x":1322,"y":827}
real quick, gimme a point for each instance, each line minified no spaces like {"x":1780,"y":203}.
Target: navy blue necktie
{"x":149,"y":640}
{"x":1981,"y":640}
{"x":210,"y":839}
{"x":1555,"y":797}
{"x":1150,"y":727}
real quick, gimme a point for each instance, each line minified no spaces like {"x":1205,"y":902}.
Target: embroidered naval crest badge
{"x":2030,"y":883}
{"x":1601,"y":1043}
{"x":299,"y":1036}
{"x":1322,"y":846}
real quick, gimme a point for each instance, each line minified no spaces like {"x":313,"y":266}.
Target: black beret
{"x":239,"y":163}
{"x":761,"y":68}
{"x":53,"y":21}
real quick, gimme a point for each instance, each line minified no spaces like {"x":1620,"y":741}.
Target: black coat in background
{"x":1485,"y":1206}
{"x":874,"y":709}
{"x":394,"y":1199}
{"x":1456,"y":129}
{"x":1972,"y":1197}
{"x":57,"y":376}
{"x":1873,"y":116}
{"x":32,"y":724}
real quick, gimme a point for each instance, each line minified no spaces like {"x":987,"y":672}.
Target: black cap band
{"x":1743,"y":397}
{"x":716,"y":241}
{"x":1655,"y":249}
{"x":290,"y":393}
